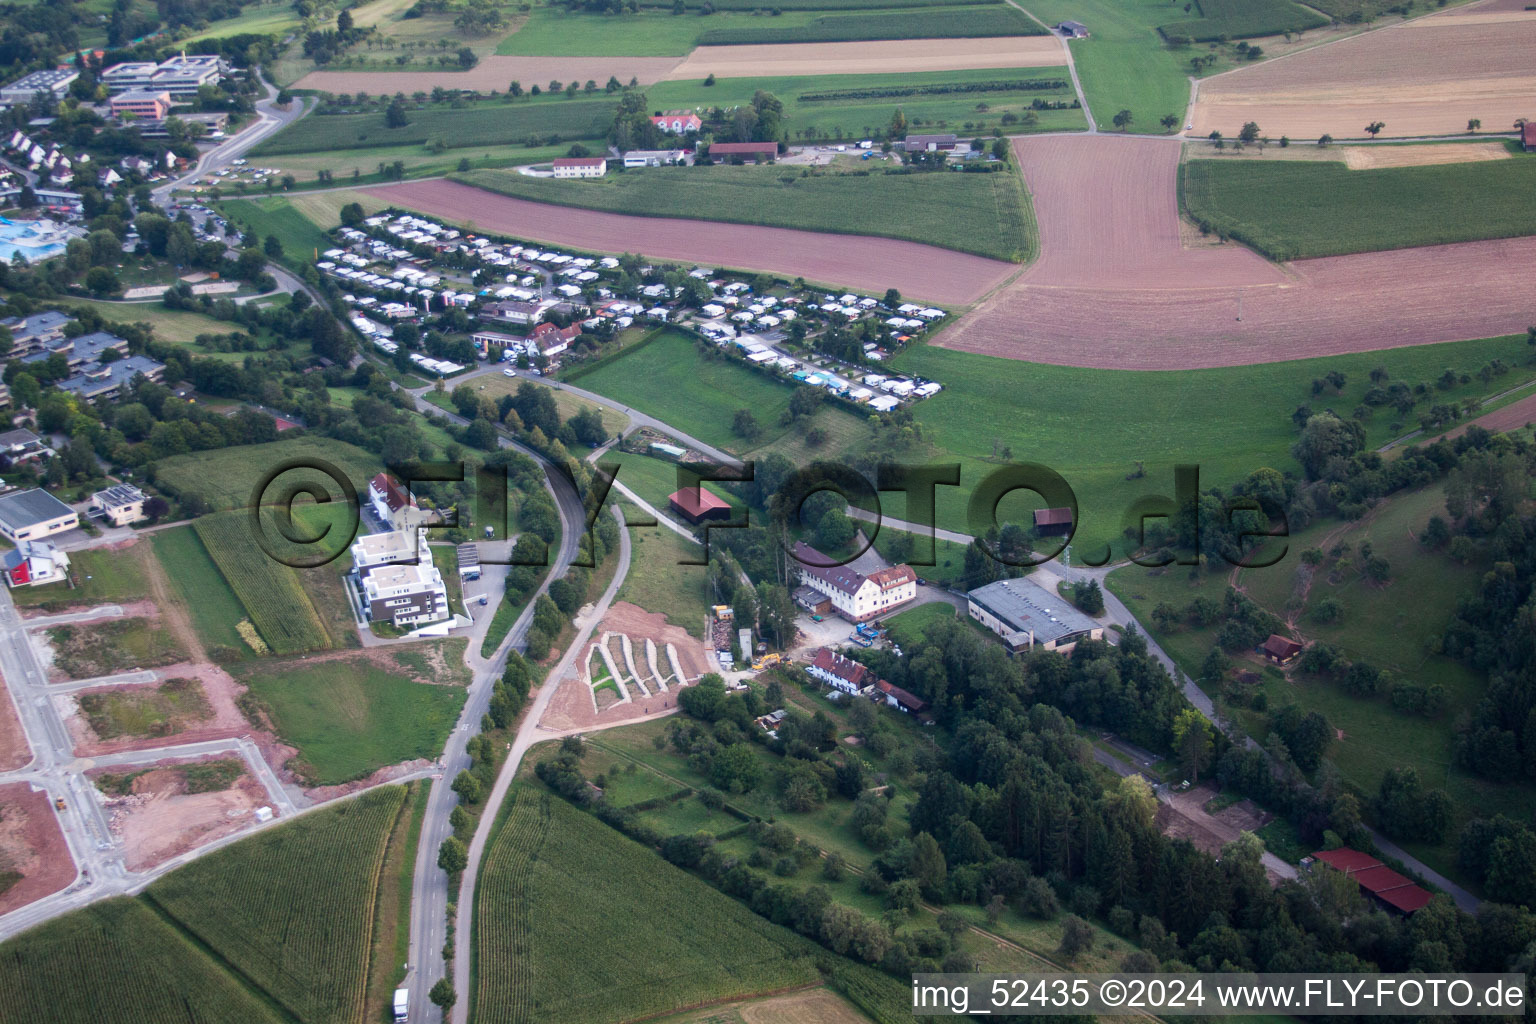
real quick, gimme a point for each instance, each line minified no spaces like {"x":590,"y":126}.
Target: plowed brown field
{"x":871,"y":57}
{"x":1114,"y":288}
{"x":493,"y":72}
{"x":1424,"y":77}
{"x":855,"y":261}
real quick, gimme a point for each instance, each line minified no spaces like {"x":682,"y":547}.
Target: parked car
{"x":509,"y":372}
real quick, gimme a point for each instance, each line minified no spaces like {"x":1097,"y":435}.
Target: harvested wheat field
{"x":854,"y":261}
{"x":1363,"y":158}
{"x":1424,"y":77}
{"x":1115,"y":289}
{"x":874,"y":57}
{"x":31,"y":847}
{"x":492,"y":73}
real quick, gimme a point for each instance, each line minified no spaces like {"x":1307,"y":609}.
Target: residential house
{"x":33,"y":562}
{"x":23,"y":446}
{"x":677,"y":122}
{"x":77,"y":351}
{"x":581,"y":167}
{"x":371,"y":549}
{"x":552,"y":340}
{"x":393,"y":503}
{"x":855,"y":596}
{"x":120,"y":504}
{"x":34,"y":515}
{"x":898,"y":698}
{"x":1026,"y":615}
{"x":839,"y":672}
{"x":405,"y":594}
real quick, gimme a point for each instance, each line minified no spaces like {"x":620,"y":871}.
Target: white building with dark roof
{"x":34,"y":515}
{"x":1026,"y":615}
{"x":855,"y":596}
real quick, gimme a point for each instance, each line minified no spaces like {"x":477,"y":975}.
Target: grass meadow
{"x":106,"y":577}
{"x":301,"y":238}
{"x":658,"y":583}
{"x":226,"y":477}
{"x":1298,"y":209}
{"x":1392,"y":626}
{"x":1243,"y":19}
{"x":212,"y":605}
{"x":551,"y":31}
{"x":349,"y":716}
{"x":983,"y":214}
{"x":861,"y":106}
{"x":466,"y":127}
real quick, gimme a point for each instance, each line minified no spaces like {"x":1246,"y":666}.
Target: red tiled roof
{"x":1379,"y":879}
{"x":1407,"y":899}
{"x":696,"y":501}
{"x":1053,"y":516}
{"x":844,"y":668}
{"x":1347,"y":860}
{"x":895,"y":576}
{"x":903,"y":698}
{"x":395,"y":496}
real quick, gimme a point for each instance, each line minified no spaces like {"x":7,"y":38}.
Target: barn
{"x":697,"y":505}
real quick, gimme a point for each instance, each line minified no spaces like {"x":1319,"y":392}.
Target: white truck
{"x":402,"y":1005}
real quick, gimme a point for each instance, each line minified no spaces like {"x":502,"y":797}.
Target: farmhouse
{"x":148,"y":104}
{"x":896,"y":697}
{"x":1027,"y":615}
{"x":697,"y":505}
{"x":677,"y":122}
{"x":855,"y":596}
{"x":580,"y":167}
{"x":930,"y":143}
{"x":1053,"y":521}
{"x":759,"y":151}
{"x":839,"y":672}
{"x":1280,"y":649}
{"x":1073,"y":30}
{"x":32,"y":562}
{"x":405,"y":594}
{"x":120,"y":504}
{"x":1394,"y":892}
{"x":34,"y":514}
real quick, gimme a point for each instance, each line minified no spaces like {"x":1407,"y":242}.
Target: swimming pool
{"x":35,"y":240}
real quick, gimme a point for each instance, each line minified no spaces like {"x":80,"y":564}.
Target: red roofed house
{"x":553,"y":340}
{"x":855,"y":596}
{"x":1528,"y":136}
{"x":697,"y":505}
{"x":758,"y":151}
{"x":839,"y":672}
{"x":896,"y":697}
{"x":1376,"y":879}
{"x":678,"y":122}
{"x":393,"y":503}
{"x":581,"y":167}
{"x":1280,"y":650}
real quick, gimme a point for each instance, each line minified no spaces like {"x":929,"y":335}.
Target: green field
{"x":908,"y":627}
{"x":225,"y":478}
{"x":861,"y":106}
{"x":273,"y":593}
{"x":293,"y":908}
{"x":984,"y":214}
{"x":211,"y":604}
{"x":479,"y":124}
{"x":1392,"y":626}
{"x":1124,"y":63}
{"x":276,"y":928}
{"x":349,"y":716}
{"x":657,"y":583}
{"x":118,"y":962}
{"x":1242,"y":19}
{"x":275,"y":215}
{"x":575,"y":923}
{"x":553,"y":32}
{"x":113,"y":645}
{"x":181,"y":327}
{"x":1298,"y":209}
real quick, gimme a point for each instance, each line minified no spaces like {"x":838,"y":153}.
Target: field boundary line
{"x":404,"y":814}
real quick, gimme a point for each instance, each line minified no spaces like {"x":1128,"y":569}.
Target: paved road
{"x":429,"y":892}
{"x":270,"y":119}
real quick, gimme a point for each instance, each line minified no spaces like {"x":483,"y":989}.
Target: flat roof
{"x":1027,"y":607}
{"x":400,"y":574}
{"x":391,"y":543}
{"x":22,"y":509}
{"x":117,"y":495}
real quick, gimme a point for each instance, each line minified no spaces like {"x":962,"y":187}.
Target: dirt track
{"x":1424,"y":77}
{"x":1113,"y":288}
{"x":854,"y":261}
{"x":885,"y":56}
{"x":493,"y":72}
{"x":14,"y":752}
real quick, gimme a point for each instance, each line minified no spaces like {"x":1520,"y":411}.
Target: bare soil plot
{"x":1514,"y":416}
{"x":84,"y":651}
{"x":494,"y":72}
{"x":1364,"y":158}
{"x":1115,"y":289}
{"x":855,"y":261}
{"x":1185,"y":817}
{"x":223,"y":719}
{"x":873,"y":57}
{"x":1424,"y":77}
{"x":571,"y":706}
{"x":32,"y":846}
{"x":14,"y":752}
{"x":159,"y":820}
